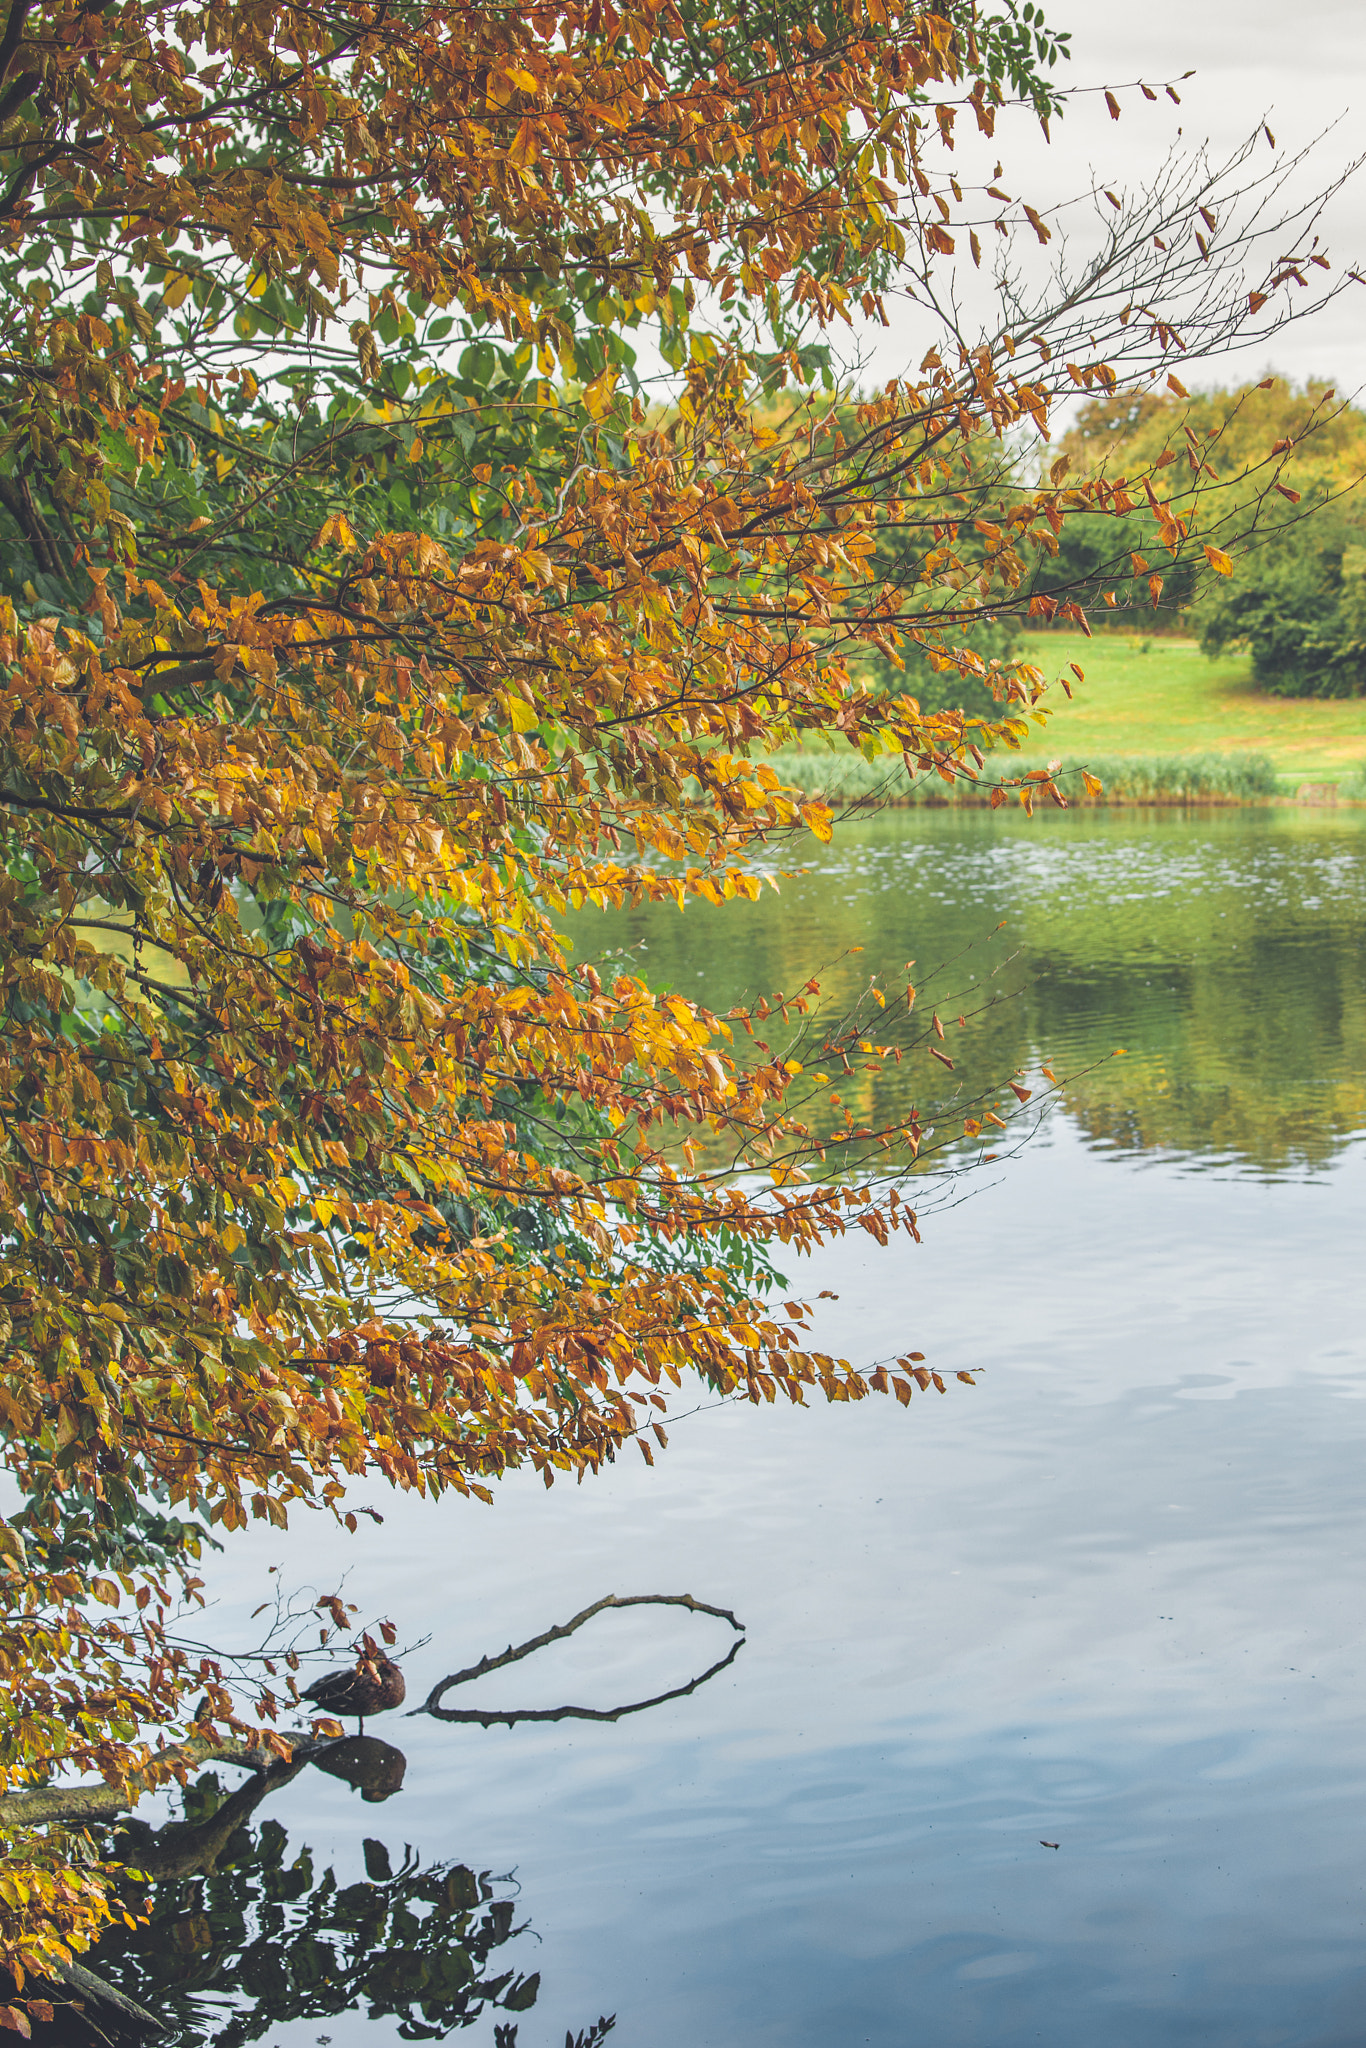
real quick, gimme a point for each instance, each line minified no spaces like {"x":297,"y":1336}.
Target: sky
{"x":1300,"y":67}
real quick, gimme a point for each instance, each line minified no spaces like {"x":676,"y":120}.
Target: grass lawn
{"x":1174,"y":700}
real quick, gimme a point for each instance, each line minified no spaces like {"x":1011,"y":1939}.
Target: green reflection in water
{"x":247,"y":1933}
{"x":1225,"y":951}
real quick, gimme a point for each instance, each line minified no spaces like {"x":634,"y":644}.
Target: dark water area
{"x":1112,"y":1597}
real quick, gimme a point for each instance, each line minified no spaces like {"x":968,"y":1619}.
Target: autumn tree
{"x":366,"y":614}
{"x":1268,"y":469}
{"x":1255,"y":465}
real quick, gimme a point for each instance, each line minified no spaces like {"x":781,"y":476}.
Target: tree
{"x":1299,"y":607}
{"x":1245,"y":457}
{"x":336,"y":668}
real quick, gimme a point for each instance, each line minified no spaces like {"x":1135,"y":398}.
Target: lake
{"x":1111,"y":1598}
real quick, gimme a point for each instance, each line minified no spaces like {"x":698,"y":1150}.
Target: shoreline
{"x":1152,"y":780}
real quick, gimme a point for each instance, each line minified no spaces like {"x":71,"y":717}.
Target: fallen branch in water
{"x":106,"y":1802}
{"x":486,"y":1719}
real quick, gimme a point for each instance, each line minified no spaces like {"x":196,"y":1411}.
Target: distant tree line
{"x":1297,"y":598}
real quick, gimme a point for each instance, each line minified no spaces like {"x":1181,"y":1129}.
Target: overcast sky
{"x":1301,"y":66}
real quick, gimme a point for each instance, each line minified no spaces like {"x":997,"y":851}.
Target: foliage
{"x":1299,"y":606}
{"x":1241,"y":452}
{"x":1240,"y":428}
{"x":364,"y":621}
{"x":846,"y":777}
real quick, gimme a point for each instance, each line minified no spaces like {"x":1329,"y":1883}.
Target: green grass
{"x":1156,"y":720}
{"x":844,"y":776}
{"x":1164,"y":698}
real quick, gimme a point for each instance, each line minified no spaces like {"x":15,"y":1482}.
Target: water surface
{"x":1112,"y":1598}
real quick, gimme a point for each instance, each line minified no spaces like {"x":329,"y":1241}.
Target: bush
{"x":1299,"y":607}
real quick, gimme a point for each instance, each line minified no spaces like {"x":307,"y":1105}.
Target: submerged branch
{"x":485,"y":1719}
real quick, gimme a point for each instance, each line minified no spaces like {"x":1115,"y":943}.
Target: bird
{"x":370,"y":1687}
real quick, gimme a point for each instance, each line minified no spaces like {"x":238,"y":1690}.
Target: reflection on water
{"x":1225,"y":951}
{"x":247,"y":1933}
{"x":1110,"y":1597}
{"x":229,"y":1939}
{"x":373,"y":1768}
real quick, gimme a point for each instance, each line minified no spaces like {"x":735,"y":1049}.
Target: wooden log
{"x":106,"y":1802}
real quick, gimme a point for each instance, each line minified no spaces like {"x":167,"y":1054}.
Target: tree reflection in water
{"x":236,"y":1936}
{"x":246,"y":1933}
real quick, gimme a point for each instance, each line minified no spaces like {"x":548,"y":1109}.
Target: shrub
{"x":1299,"y":607}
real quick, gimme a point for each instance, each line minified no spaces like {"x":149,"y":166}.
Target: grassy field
{"x":1164,"y":697}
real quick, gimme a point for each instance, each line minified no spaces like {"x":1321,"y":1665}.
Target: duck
{"x":371,"y":1687}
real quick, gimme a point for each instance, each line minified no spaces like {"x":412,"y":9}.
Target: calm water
{"x":1112,"y":1598}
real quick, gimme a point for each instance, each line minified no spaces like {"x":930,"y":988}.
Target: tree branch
{"x":432,"y":1704}
{"x":106,"y":1802}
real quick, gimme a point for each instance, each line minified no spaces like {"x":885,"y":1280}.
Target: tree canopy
{"x":1261,"y":462}
{"x":367,"y":610}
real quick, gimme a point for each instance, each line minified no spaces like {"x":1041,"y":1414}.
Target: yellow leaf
{"x":522,"y":715}
{"x":597,"y":396}
{"x":525,"y":148}
{"x":337,"y":532}
{"x":1218,"y":560}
